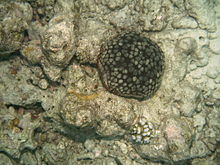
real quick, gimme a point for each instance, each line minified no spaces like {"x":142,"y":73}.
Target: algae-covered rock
{"x":55,"y":110}
{"x":14,"y":20}
{"x":59,"y":40}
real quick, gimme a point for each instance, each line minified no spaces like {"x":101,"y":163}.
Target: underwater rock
{"x":203,"y":12}
{"x":184,"y":23}
{"x":14,"y":19}
{"x":58,"y":41}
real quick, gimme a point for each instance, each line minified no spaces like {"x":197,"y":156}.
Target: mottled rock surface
{"x":14,"y":20}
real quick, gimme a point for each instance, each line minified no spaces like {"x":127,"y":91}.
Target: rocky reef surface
{"x":55,"y":110}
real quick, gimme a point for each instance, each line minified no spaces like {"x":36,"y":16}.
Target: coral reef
{"x":54,"y":108}
{"x":15,"y":18}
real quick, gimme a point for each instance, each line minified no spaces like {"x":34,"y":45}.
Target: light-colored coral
{"x":186,"y":45}
{"x":5,"y":159}
{"x":184,"y":23}
{"x":15,"y":134}
{"x":14,"y":19}
{"x":186,"y":99}
{"x":154,"y":15}
{"x":203,"y":12}
{"x":59,"y":41}
{"x":57,"y":111}
{"x":92,"y":34}
{"x":32,"y":52}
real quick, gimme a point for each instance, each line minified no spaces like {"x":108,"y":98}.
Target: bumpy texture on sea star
{"x":131,"y":65}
